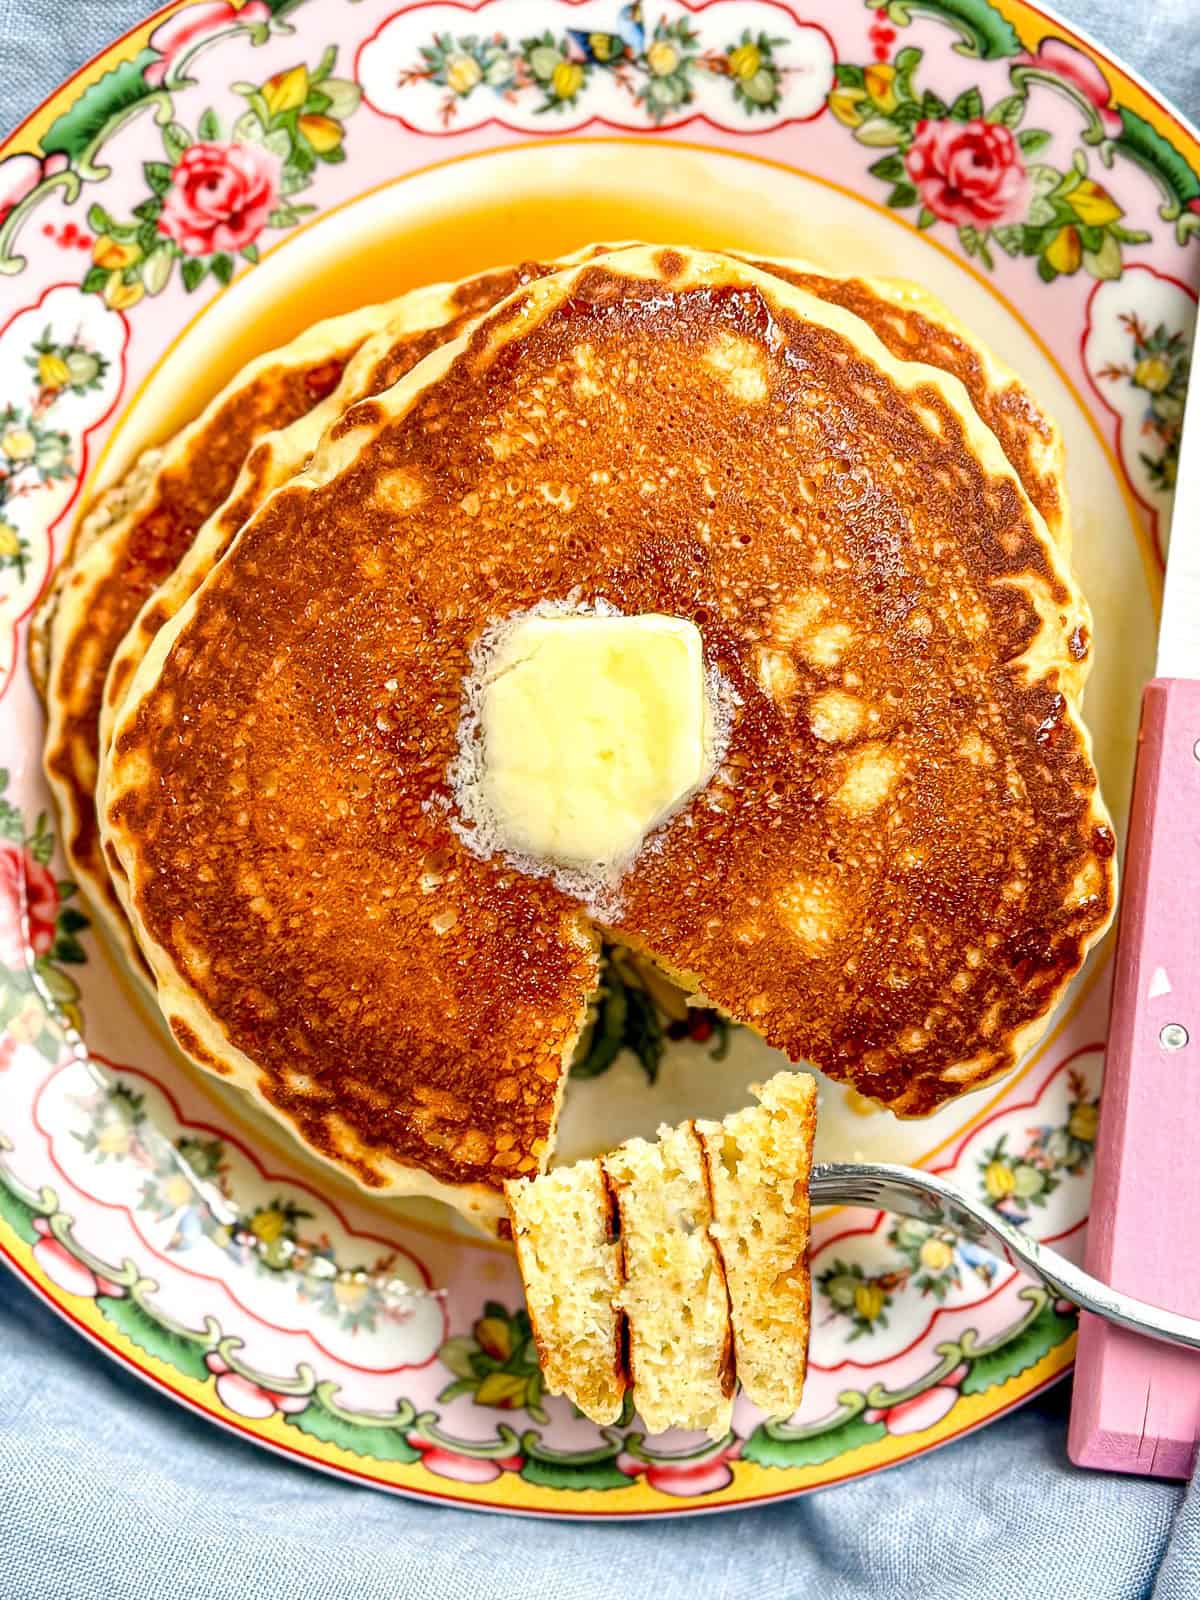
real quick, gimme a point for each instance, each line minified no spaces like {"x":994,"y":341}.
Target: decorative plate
{"x":980,"y":148}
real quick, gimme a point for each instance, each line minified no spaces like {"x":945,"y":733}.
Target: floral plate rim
{"x":123,"y":274}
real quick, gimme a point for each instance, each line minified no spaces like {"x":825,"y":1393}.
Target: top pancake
{"x":908,"y":320}
{"x":899,"y":866}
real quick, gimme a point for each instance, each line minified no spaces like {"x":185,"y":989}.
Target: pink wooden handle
{"x":1137,"y":1404}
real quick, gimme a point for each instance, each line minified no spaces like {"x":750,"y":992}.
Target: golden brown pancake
{"x":258,"y":432}
{"x":899,"y":866}
{"x":250,"y":439}
{"x":143,"y":532}
{"x":910,"y":322}
{"x":415,"y":324}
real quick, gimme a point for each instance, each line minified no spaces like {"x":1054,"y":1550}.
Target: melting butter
{"x":594,"y":729}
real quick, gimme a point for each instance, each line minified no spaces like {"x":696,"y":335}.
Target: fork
{"x":910,"y":1193}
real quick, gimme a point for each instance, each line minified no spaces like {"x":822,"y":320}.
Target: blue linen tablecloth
{"x":109,"y":1491}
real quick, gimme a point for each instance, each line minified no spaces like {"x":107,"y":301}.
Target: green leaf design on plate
{"x":1139,"y":141}
{"x":644,"y":1032}
{"x":67,"y":948}
{"x":607,"y":1039}
{"x":1008,"y":111}
{"x":1046,"y":1332}
{"x":143,"y":1329}
{"x":157,"y":175}
{"x":968,"y":106}
{"x":981,"y":29}
{"x":323,"y":1419}
{"x":778,"y":1449}
{"x":60,"y":987}
{"x":193,"y":271}
{"x":17,"y":1213}
{"x":103,"y":100}
{"x":176,"y":139}
{"x":1031,"y":140}
{"x":890,"y":168}
{"x":580,"y":1475}
{"x":573,"y":1469}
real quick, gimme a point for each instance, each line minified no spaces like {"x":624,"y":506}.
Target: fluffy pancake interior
{"x":757,"y":1163}
{"x":570,"y":1261}
{"x":673,"y":1286}
{"x":744,"y":1182}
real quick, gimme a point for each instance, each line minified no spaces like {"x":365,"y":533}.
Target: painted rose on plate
{"x":29,"y":902}
{"x":969,"y":173}
{"x":220,"y":197}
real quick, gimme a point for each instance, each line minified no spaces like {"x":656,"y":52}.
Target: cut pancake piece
{"x":672,"y":1291}
{"x":570,"y":1261}
{"x":758,"y":1161}
{"x":708,"y":1281}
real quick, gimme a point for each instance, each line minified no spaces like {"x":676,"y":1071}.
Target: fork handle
{"x":907,"y":1192}
{"x":1136,"y":1406}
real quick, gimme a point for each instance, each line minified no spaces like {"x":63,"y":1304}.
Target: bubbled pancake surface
{"x":909,"y":321}
{"x":415,"y":324}
{"x":916,"y":327}
{"x":900,"y":864}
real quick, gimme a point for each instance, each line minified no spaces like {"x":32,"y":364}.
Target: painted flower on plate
{"x":188,"y":29}
{"x":707,"y":1472}
{"x":220,"y":197}
{"x":20,"y":175}
{"x":922,"y":1410}
{"x":970,"y":174}
{"x":246,"y":1398}
{"x":27,"y":889}
{"x":1082,"y":74}
{"x":461,"y":1468}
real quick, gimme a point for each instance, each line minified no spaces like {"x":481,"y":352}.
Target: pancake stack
{"x":254,"y":664}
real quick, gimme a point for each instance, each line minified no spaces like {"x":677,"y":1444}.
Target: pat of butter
{"x":594,"y":729}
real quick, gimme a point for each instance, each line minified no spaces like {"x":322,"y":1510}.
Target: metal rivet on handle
{"x":1173,"y":1036}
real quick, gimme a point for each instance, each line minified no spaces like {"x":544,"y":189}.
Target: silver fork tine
{"x":911,"y":1193}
